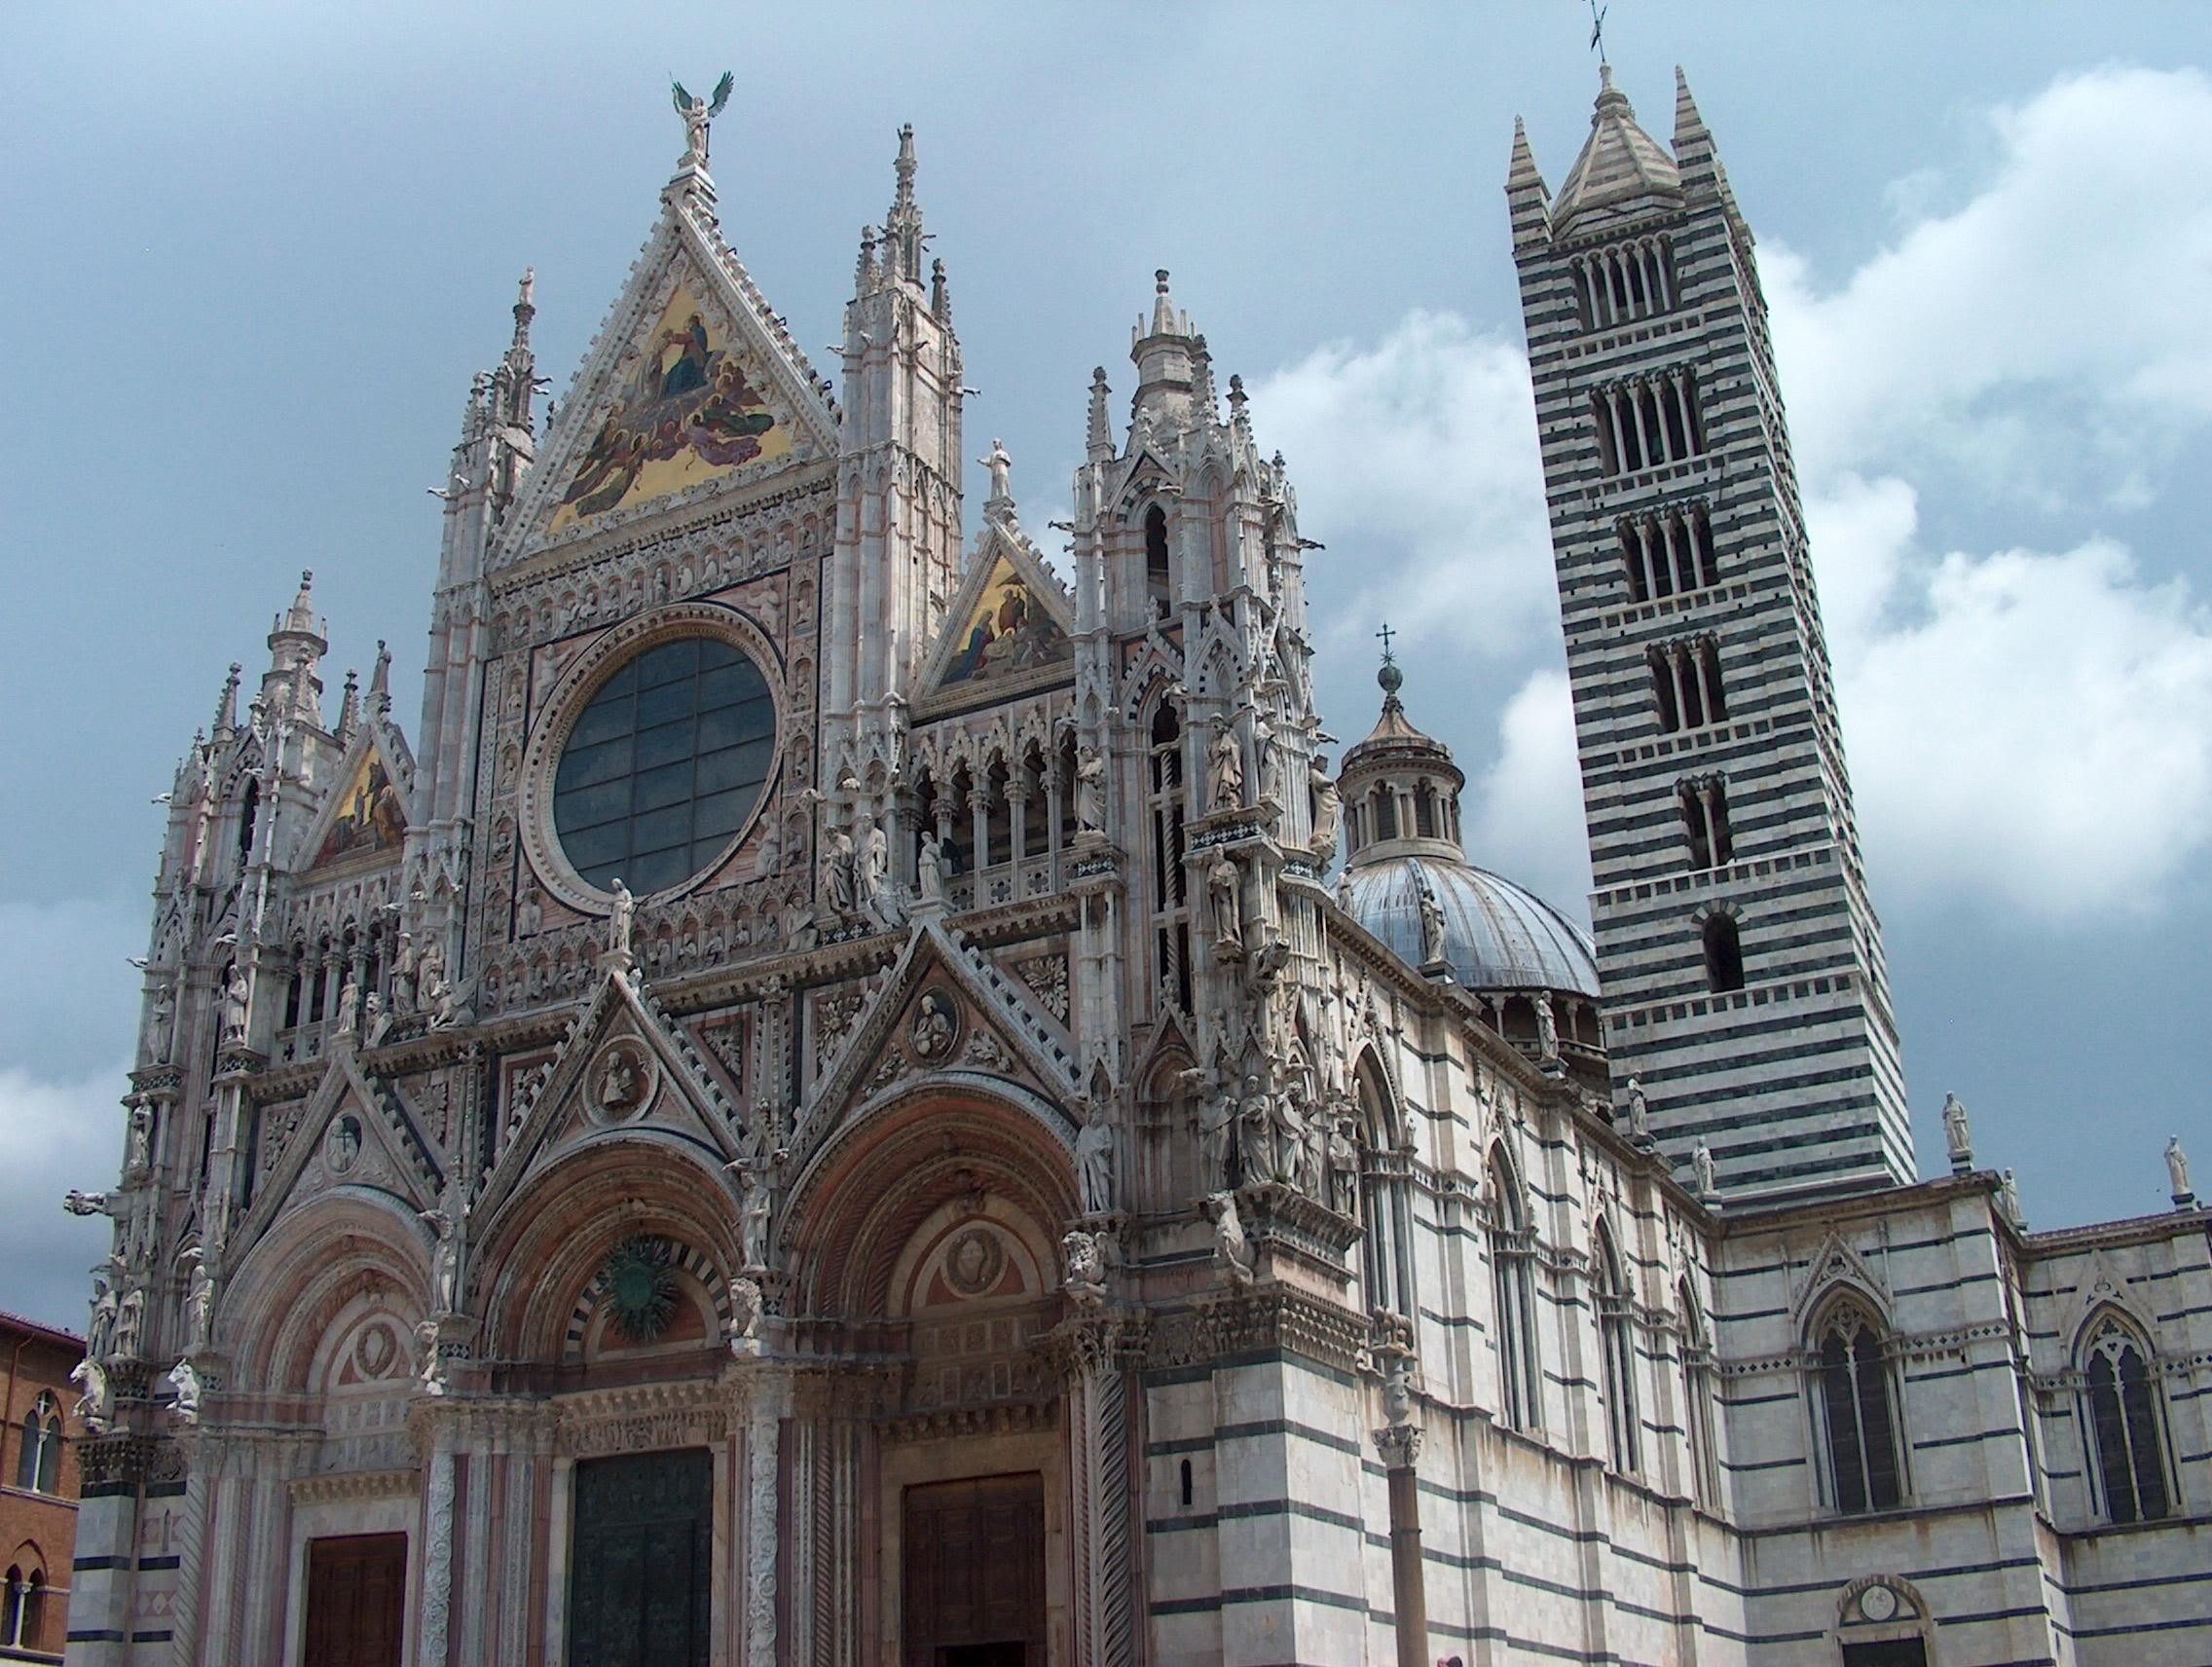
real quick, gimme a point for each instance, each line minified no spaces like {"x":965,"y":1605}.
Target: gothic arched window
{"x":2129,"y":1457}
{"x":1697,"y":1400}
{"x":1513,"y":1299}
{"x":1617,"y":1348}
{"x":1855,"y":1412}
{"x":1387,"y":1250}
{"x":1170,"y":879}
{"x":1157,"y":583}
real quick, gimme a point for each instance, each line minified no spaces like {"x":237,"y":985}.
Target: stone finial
{"x":350,"y":706}
{"x":941,"y":293}
{"x":379,"y":680}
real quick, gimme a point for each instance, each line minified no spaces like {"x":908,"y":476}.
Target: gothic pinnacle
{"x":227,"y":703}
{"x":526,"y":308}
{"x":1101,"y":434}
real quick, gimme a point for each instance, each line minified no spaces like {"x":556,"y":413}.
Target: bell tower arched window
{"x":2126,"y":1449}
{"x":1723,"y":953}
{"x":1853,"y":1409}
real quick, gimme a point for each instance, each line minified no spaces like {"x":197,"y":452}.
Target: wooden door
{"x":975,"y":1572}
{"x":356,"y":1599}
{"x":638,"y":1575}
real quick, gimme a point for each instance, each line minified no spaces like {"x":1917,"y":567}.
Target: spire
{"x":526,"y":308}
{"x":300,"y":621}
{"x":226,"y":705}
{"x":1166,"y":322}
{"x":1240,"y":415}
{"x":903,"y":226}
{"x":350,"y":707}
{"x":1695,"y":152}
{"x":515,"y":382}
{"x":1621,"y":167}
{"x":1099,"y":435}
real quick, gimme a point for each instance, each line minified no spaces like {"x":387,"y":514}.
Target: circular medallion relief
{"x":974,"y":1262}
{"x":656,"y":759}
{"x":375,"y":1351}
{"x":936,"y":1027}
{"x":620,"y":1082}
{"x":1878,"y":1603}
{"x":342,"y":1146}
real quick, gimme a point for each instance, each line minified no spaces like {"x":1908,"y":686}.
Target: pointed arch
{"x":1387,"y":1247}
{"x":1853,"y":1393}
{"x":1512,"y":1249}
{"x":2123,"y":1423}
{"x":1698,"y":1423}
{"x":1616,"y":1339}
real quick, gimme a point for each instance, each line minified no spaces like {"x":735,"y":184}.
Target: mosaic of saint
{"x":687,"y":413}
{"x":369,"y":818}
{"x":1009,"y":632}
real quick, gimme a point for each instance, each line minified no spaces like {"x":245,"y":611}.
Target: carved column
{"x":437,"y":1550}
{"x":1096,"y":1355}
{"x":767,"y":1392}
{"x":1400,"y":1446}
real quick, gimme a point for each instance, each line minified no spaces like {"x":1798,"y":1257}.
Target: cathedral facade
{"x":850,"y":1098}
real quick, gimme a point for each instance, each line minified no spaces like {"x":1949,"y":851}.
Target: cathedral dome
{"x":1496,"y":936}
{"x":1400,"y":791}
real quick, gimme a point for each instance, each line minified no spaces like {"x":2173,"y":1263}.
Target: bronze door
{"x":975,"y":1574}
{"x":356,"y":1599}
{"x":638,"y":1572}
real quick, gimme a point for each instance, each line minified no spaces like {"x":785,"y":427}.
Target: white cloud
{"x":2032,"y":729}
{"x":1526,"y":818}
{"x":59,"y":1135}
{"x":2048,"y":337}
{"x":1416,"y":462}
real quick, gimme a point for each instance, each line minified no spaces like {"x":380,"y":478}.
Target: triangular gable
{"x":1005,"y":1005}
{"x":1837,"y":1264}
{"x":674,"y":1091}
{"x":1008,"y":627}
{"x":381,"y":1149}
{"x":691,"y":387}
{"x":365,"y":816}
{"x":2099,"y":1283}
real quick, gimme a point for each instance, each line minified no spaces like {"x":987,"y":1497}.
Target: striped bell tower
{"x":1745,"y":989}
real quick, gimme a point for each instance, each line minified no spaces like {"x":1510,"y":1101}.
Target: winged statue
{"x":697,"y":113}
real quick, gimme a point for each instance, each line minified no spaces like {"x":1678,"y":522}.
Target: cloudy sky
{"x":253,"y":253}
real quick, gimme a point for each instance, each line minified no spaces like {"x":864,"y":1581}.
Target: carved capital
{"x":1110,"y":1340}
{"x":1399,"y":1444}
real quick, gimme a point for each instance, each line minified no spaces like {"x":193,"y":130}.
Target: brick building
{"x":38,"y":1488}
